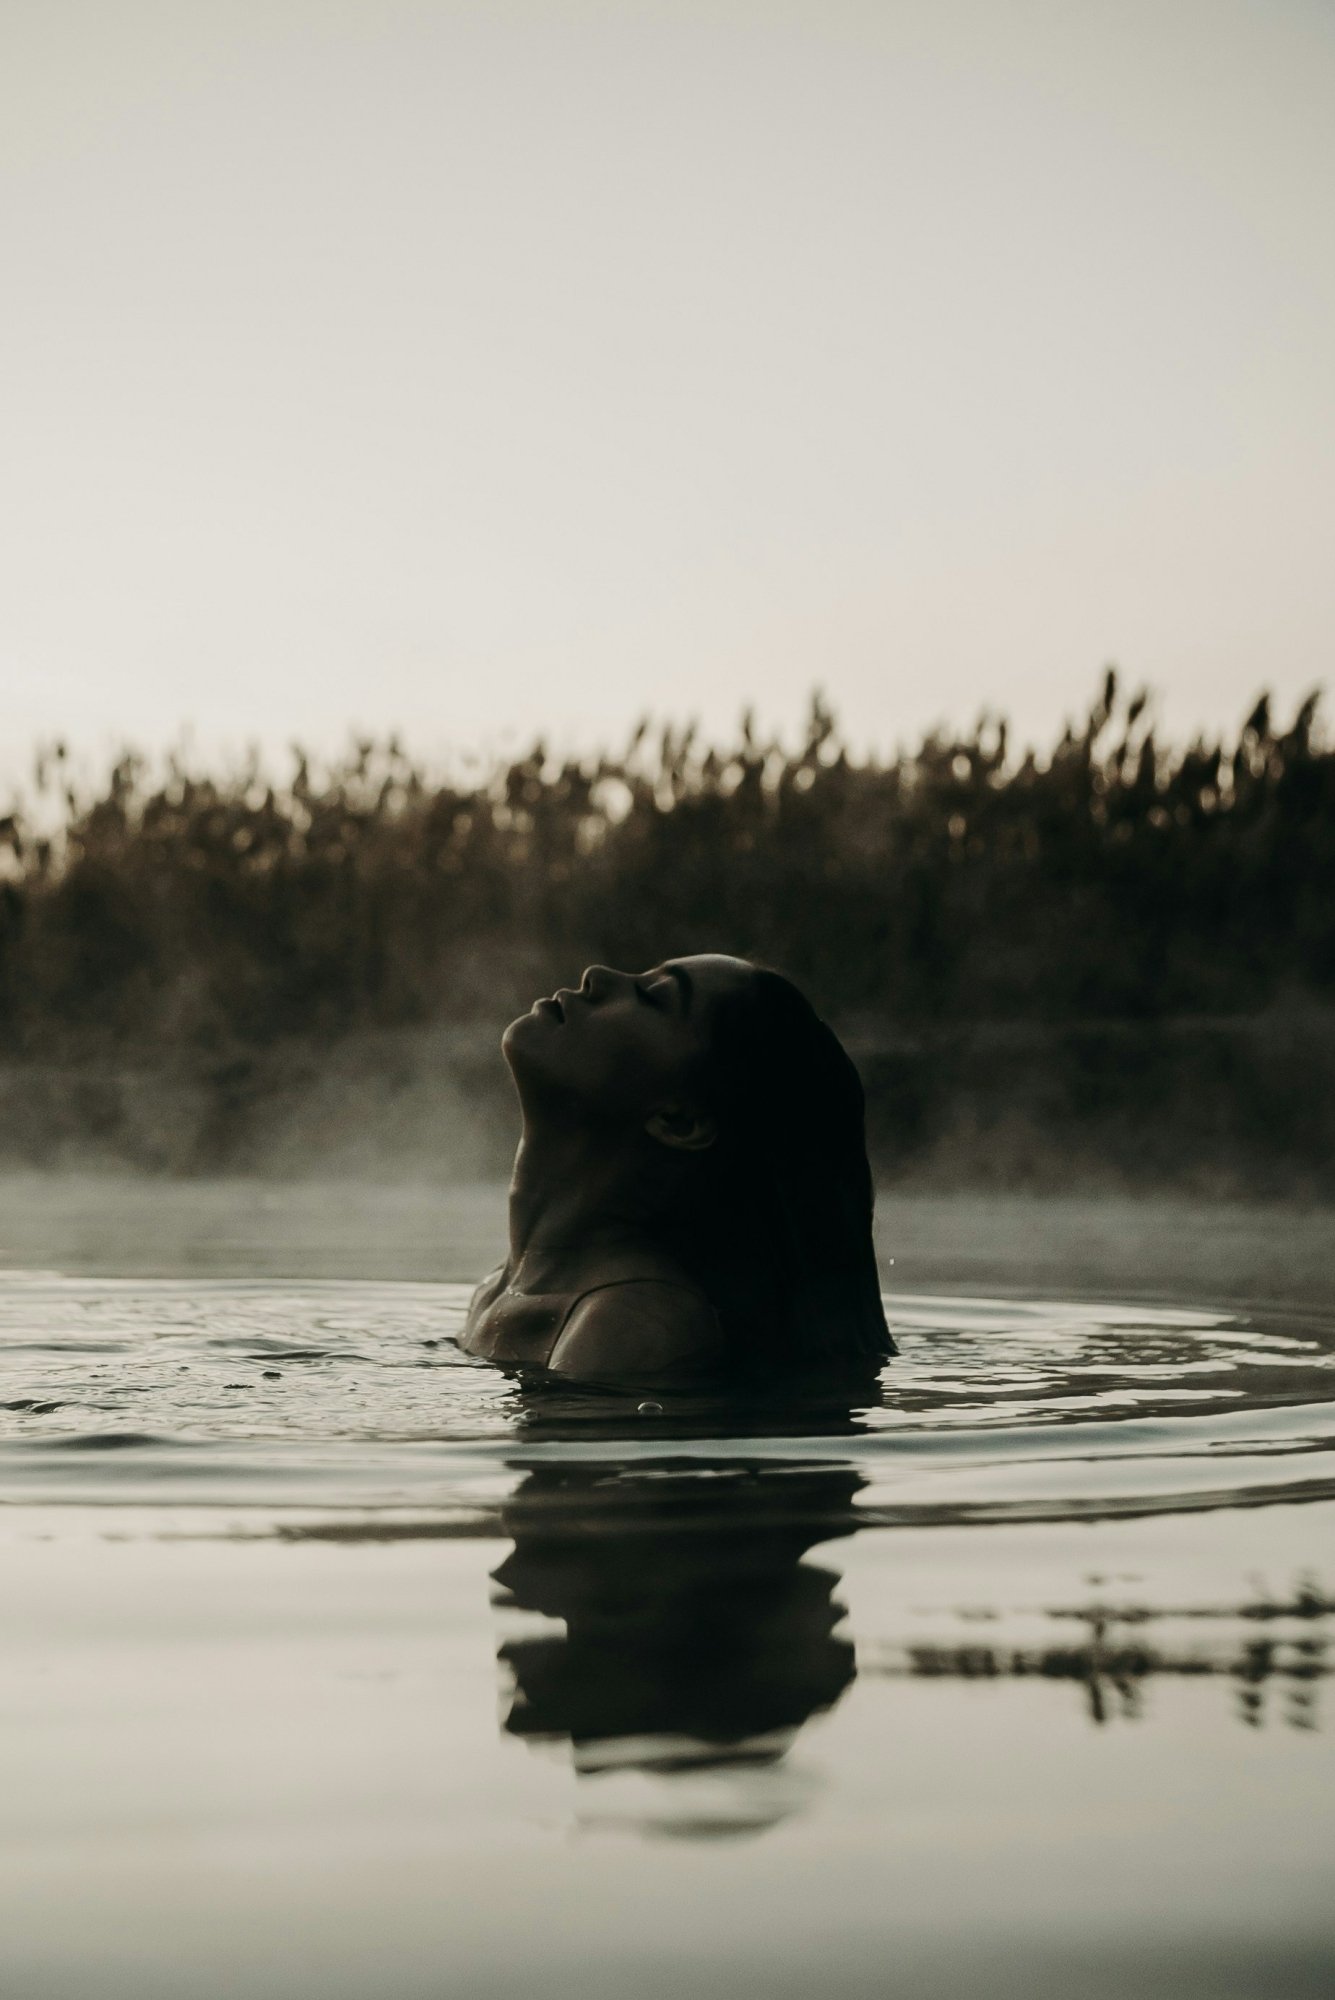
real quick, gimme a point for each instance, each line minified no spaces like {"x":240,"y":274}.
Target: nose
{"x":600,"y":982}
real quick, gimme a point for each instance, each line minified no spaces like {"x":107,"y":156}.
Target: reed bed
{"x":959,"y":909}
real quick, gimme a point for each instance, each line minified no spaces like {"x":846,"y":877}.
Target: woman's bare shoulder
{"x":638,"y":1328}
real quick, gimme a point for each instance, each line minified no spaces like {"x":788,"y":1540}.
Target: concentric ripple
{"x":354,"y":1396}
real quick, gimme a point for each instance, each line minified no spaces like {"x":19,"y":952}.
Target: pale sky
{"x":475,"y":369}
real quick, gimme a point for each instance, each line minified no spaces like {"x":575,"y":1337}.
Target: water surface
{"x":339,"y":1663}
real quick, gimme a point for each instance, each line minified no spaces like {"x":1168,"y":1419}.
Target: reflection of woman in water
{"x":695,"y":1638}
{"x":691,"y":1196}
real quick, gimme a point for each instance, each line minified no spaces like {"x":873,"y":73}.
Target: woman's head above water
{"x":706,"y":1106}
{"x":630,"y":1054}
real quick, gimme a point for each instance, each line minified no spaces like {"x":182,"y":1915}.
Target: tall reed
{"x":1115,"y":877}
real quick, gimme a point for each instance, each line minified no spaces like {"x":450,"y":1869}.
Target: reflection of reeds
{"x":1056,"y":908}
{"x":1113,"y":1667}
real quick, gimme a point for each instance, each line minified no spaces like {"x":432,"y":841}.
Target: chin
{"x":520,"y":1041}
{"x":514,"y":1034}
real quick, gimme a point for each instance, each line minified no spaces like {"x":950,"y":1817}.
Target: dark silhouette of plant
{"x":1117,"y":879}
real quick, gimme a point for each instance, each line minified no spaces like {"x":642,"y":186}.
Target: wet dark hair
{"x":776,"y":1226}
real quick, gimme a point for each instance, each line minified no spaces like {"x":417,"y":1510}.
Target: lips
{"x":554,"y":1006}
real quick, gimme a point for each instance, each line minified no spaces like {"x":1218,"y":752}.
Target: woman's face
{"x":623,"y":1045}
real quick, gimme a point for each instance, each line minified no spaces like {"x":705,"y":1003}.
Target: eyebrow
{"x":685,"y":987}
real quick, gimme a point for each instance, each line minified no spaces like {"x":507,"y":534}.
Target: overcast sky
{"x":477,"y":369}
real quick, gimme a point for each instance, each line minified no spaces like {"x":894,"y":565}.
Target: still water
{"x":337,"y":1664}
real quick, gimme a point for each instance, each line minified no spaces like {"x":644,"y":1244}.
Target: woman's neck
{"x":570,"y":1190}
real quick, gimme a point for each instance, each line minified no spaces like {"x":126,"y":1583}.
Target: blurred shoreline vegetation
{"x":1114,"y":960}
